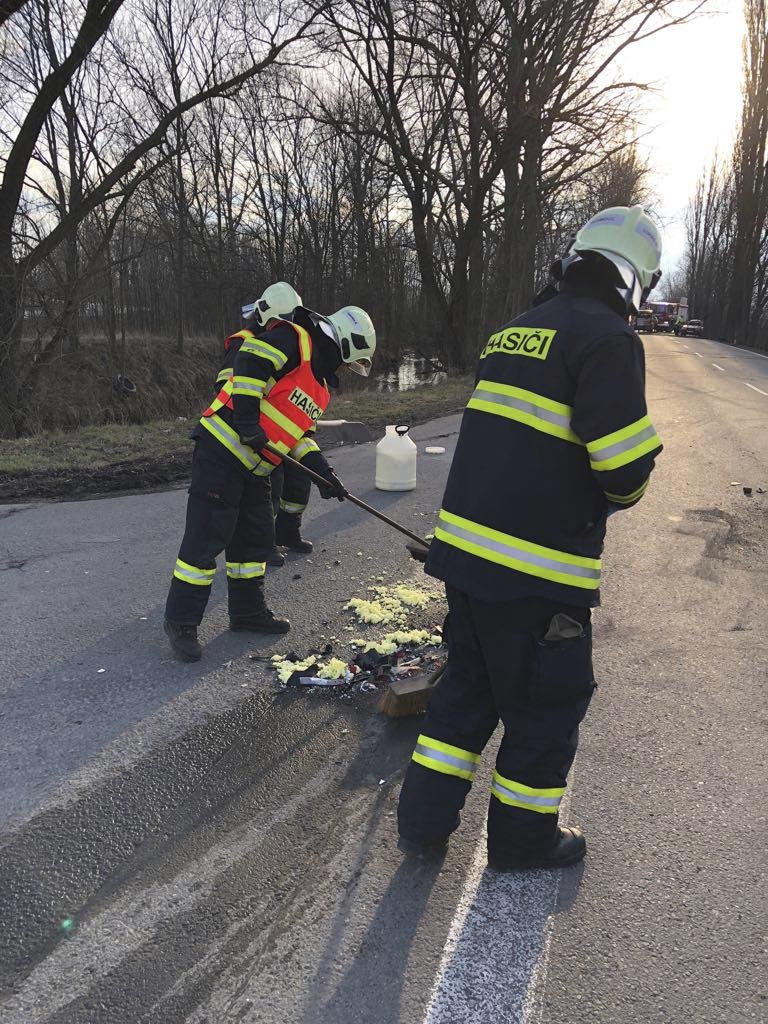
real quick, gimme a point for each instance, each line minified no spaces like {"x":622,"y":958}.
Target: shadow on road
{"x":54,"y":724}
{"x":369,"y":991}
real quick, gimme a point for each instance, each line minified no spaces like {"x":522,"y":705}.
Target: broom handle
{"x":355,"y":501}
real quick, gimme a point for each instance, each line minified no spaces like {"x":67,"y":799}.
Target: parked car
{"x":692,"y":329}
{"x":645,"y":321}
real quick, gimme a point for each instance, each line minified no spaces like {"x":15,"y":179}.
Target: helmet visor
{"x":362,"y":367}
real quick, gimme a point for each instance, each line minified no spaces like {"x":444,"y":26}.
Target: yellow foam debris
{"x":286,"y":668}
{"x":334,"y":669}
{"x":389,"y":604}
{"x":400,"y":638}
{"x":411,"y":597}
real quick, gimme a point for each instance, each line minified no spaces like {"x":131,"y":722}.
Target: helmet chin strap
{"x":617,"y":273}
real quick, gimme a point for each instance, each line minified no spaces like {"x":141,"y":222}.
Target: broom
{"x":405,"y":697}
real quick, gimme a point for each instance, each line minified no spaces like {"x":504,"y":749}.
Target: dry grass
{"x":376,"y":409}
{"x":92,"y":447}
{"x":109,"y":443}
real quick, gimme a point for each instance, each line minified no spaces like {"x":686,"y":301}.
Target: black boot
{"x":258,"y":618}
{"x":288,"y":533}
{"x":569,"y":848}
{"x":183,"y":640}
{"x":276,"y":558}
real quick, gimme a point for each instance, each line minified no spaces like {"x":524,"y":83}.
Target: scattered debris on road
{"x":373,"y":661}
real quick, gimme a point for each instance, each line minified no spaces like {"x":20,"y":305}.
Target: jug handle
{"x":402,"y":429}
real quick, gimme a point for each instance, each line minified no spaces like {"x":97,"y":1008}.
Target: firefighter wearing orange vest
{"x":277,"y":392}
{"x":290,"y":487}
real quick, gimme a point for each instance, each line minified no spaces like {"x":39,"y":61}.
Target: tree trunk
{"x":11,"y":324}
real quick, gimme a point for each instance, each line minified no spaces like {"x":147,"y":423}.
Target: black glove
{"x":333,"y":488}
{"x":257,"y":439}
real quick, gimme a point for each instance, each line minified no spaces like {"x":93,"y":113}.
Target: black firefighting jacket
{"x":555,"y":436}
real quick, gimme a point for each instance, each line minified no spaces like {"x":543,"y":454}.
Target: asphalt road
{"x":185,"y":844}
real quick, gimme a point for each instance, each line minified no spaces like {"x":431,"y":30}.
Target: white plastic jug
{"x":396,"y":460}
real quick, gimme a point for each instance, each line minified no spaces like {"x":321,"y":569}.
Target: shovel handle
{"x":351,"y":497}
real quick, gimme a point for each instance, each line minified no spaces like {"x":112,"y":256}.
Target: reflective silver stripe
{"x":622,"y":446}
{"x":450,"y":759}
{"x":522,"y":406}
{"x":264,"y":351}
{"x":193,"y":577}
{"x":526,"y":798}
{"x":231,"y":441}
{"x":292,"y":507}
{"x":519,"y":554}
{"x":238,"y":388}
{"x":245,"y":571}
{"x":224,"y":375}
{"x":304,"y":448}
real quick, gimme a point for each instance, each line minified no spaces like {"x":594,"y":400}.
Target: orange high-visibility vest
{"x":291,"y":407}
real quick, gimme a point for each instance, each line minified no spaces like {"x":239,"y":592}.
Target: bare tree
{"x":750,"y":176}
{"x":489,"y":109}
{"x":240,"y":41}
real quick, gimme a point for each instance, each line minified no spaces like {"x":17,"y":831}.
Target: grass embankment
{"x":128,"y":456}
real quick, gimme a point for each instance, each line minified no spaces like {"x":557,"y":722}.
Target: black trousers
{"x":290,"y":490}
{"x":501,"y":667}
{"x":229,"y":509}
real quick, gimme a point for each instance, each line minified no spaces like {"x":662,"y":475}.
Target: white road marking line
{"x":496,"y":957}
{"x":699,"y":355}
{"x":685,"y":346}
{"x":756,"y":389}
{"x":718,"y":367}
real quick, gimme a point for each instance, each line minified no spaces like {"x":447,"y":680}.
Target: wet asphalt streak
{"x":184,"y":843}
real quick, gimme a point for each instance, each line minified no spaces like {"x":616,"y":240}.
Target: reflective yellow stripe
{"x":627,"y":499}
{"x":516,"y":553}
{"x":251,"y":386}
{"x":305,"y":345}
{"x":282,"y":421}
{"x":623,"y":446}
{"x":245,"y":570}
{"x":230,"y":439}
{"x":263,"y":350}
{"x":304,"y":447}
{"x":525,"y":407}
{"x":224,"y":375}
{"x":516,"y":794}
{"x":445,"y":758}
{"x":193,"y":574}
{"x":291,"y":507}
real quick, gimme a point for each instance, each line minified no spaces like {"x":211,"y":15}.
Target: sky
{"x":696,"y":69}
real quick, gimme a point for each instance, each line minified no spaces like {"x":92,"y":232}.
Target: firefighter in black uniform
{"x":276,"y":393}
{"x":290,"y":487}
{"x":555,"y":438}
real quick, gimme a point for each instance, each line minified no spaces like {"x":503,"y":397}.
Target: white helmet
{"x":628,"y":238}
{"x":276,"y":301}
{"x":353,"y":331}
